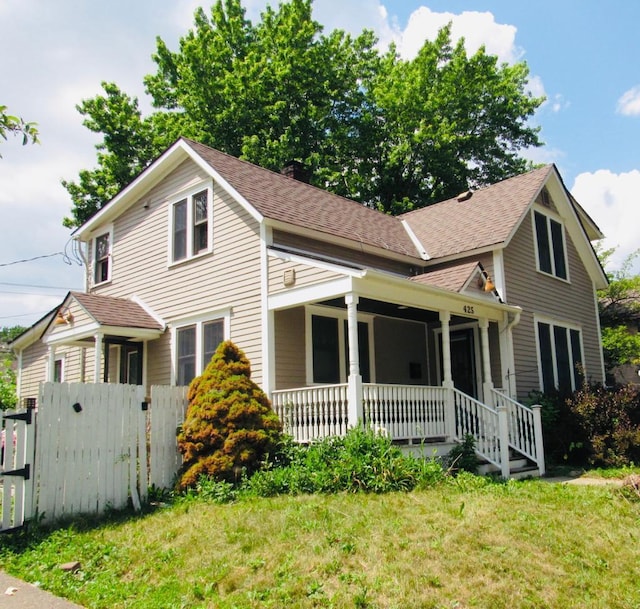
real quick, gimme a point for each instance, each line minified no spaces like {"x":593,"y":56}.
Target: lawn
{"x":464,"y":543}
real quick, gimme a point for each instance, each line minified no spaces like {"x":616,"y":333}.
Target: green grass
{"x":464,"y":543}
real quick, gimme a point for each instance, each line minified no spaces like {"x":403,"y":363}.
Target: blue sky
{"x":584,"y":55}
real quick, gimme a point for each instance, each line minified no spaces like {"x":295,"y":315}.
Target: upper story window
{"x":560,"y":357}
{"x":102,"y":257}
{"x":195,"y":344}
{"x":191,"y":225}
{"x":552,"y":257}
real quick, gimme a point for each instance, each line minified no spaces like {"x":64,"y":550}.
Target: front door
{"x":463,"y":361}
{"x":131,"y":364}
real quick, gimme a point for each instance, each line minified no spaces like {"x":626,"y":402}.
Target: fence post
{"x":537,"y":433}
{"x":503,"y":427}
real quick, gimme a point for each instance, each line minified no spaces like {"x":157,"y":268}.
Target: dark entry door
{"x":463,"y":361}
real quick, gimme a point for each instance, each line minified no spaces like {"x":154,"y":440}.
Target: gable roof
{"x":111,"y":311}
{"x":278,"y":197}
{"x":485,"y":219}
{"x":452,"y":277}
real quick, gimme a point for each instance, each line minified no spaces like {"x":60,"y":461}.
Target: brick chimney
{"x":297,"y":171}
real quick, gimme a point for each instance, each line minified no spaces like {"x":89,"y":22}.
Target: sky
{"x":583,"y":56}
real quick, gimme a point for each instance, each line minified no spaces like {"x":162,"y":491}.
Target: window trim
{"x":198,"y":321}
{"x":341,"y":316}
{"x":568,"y":327}
{"x":188,"y":196}
{"x":549,"y":217}
{"x":61,"y":360}
{"x":94,"y":244}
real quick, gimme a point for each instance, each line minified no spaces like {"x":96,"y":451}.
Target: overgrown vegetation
{"x":229,"y":426}
{"x":595,"y":426}
{"x":462,"y":457}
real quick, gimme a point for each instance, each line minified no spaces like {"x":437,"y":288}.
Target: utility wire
{"x":31,"y":259}
{"x":30,"y":285}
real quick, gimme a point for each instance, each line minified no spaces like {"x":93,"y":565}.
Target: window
{"x":190,"y":226}
{"x":195,"y":345}
{"x":58,"y":370}
{"x":550,"y":246}
{"x":329,"y":349}
{"x":101,"y":257}
{"x":560,"y":356}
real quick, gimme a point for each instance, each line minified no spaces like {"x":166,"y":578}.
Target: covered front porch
{"x":416,"y":363}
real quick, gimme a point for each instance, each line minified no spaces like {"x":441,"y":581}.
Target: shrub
{"x":229,"y":427}
{"x":462,"y":457}
{"x":360,"y":461}
{"x":596,"y":425}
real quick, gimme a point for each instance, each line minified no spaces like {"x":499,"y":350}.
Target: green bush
{"x":229,"y":428}
{"x":462,"y":457}
{"x":596,"y":426}
{"x":360,"y":461}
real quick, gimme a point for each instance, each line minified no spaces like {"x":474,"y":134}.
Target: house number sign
{"x":468,"y":309}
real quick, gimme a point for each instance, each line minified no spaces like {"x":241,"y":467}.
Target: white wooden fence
{"x":97,"y":446}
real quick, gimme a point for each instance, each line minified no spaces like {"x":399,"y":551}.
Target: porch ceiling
{"x":387,"y":309}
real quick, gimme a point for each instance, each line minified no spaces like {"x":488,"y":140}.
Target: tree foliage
{"x":230,"y":427}
{"x":389,"y":132}
{"x":8,"y":397}
{"x":14,"y":125}
{"x":619,"y":307}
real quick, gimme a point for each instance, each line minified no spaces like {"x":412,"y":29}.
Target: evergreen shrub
{"x":229,"y":428}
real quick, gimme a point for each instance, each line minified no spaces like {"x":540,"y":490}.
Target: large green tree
{"x":391,"y":133}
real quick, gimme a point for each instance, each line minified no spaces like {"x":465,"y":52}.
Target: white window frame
{"x":341,"y":316}
{"x":549,"y":216}
{"x":188,"y":195}
{"x":199,"y":321}
{"x":567,"y":326}
{"x":60,"y":359}
{"x":94,"y":260}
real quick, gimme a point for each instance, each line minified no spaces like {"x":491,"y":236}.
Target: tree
{"x":391,"y":133}
{"x":15,"y":125}
{"x":619,"y":307}
{"x":8,"y":398}
{"x":229,"y":427}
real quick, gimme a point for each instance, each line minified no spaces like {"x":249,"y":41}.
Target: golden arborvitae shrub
{"x":229,"y":426}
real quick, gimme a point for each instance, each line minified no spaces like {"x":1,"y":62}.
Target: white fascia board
{"x":89,"y":331}
{"x":421,"y":250}
{"x":321,"y":264}
{"x":33,"y":334}
{"x":148,"y":310}
{"x":311,"y":293}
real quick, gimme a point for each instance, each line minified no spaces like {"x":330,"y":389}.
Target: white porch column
{"x":487,"y":383}
{"x":447,"y":378}
{"x":354,"y":392}
{"x":97,"y":358}
{"x":51,"y":363}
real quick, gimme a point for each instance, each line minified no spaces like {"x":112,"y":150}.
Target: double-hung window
{"x":102,"y":257}
{"x":550,"y":245}
{"x":191,"y":225}
{"x":196,"y":343}
{"x":560,"y":357}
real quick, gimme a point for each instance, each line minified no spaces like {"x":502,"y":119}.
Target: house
{"x":427,"y":325}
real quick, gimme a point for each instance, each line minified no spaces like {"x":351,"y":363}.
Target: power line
{"x":30,"y":285}
{"x":31,"y":259}
{"x":40,"y":313}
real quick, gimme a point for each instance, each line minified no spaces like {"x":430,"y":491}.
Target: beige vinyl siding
{"x":398,"y":344}
{"x":494,"y":351}
{"x":290,"y":348}
{"x":566,"y":303}
{"x":159,"y":360}
{"x":339,"y":253}
{"x":227,"y":278}
{"x":304,"y":275}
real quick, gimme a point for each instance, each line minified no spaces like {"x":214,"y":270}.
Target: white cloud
{"x":613,"y":201}
{"x":477,"y":29}
{"x":629,"y":103}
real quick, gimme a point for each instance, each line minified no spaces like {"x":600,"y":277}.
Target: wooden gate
{"x":16,"y":477}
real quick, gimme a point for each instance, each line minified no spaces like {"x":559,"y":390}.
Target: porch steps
{"x":519,"y":468}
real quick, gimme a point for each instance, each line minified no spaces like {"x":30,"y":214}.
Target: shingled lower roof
{"x":118,"y":312}
{"x":483,"y":220}
{"x":287,"y":200}
{"x":452,"y":277}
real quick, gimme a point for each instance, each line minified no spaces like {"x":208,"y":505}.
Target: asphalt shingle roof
{"x":486,"y":218}
{"x":278,"y":197}
{"x":111,"y":311}
{"x":452,"y":277}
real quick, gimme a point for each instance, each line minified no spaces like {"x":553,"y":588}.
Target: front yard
{"x":466,"y":542}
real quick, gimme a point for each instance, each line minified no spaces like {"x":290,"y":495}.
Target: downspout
{"x":512,"y":324}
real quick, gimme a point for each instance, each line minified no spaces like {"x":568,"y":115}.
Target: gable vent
{"x":545,"y":199}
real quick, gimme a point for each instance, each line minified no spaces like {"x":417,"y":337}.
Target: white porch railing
{"x":525,"y":428}
{"x":479,"y":420}
{"x":406,"y":412}
{"x":311,"y":413}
